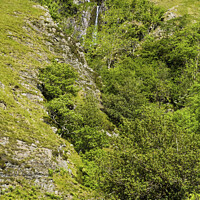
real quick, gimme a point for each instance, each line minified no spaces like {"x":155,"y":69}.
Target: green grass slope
{"x":29,"y":149}
{"x":182,"y":7}
{"x":19,"y":117}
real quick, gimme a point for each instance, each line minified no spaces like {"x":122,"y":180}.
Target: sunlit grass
{"x":182,"y":7}
{"x":21,"y":119}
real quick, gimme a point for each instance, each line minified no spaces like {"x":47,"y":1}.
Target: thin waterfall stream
{"x":97,"y":16}
{"x":96,"y":25}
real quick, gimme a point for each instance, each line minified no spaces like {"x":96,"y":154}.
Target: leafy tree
{"x":79,"y":120}
{"x":88,"y":138}
{"x":122,"y":95}
{"x":61,"y":110}
{"x":58,"y":86}
{"x":89,"y":110}
{"x":58,"y":79}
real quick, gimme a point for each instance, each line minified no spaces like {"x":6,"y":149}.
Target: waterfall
{"x":97,"y":16}
{"x":96,"y":26}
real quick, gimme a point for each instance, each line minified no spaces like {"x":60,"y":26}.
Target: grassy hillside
{"x":33,"y":163}
{"x":182,"y":7}
{"x":20,"y":57}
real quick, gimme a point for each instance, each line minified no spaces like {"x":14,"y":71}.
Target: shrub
{"x":58,"y":79}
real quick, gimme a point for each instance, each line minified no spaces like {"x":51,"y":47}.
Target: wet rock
{"x":70,"y":51}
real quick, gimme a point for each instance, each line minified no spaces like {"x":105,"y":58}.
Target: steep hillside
{"x":35,"y":163}
{"x":99,"y":99}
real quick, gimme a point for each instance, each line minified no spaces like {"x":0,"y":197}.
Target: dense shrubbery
{"x":150,"y":95}
{"x":58,"y":79}
{"x":59,"y":89}
{"x":79,"y":120}
{"x":153,"y":159}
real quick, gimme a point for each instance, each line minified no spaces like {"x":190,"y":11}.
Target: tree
{"x":58,"y":79}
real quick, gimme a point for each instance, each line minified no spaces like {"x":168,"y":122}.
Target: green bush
{"x":58,"y":79}
{"x":88,"y":138}
{"x":61,"y":110}
{"x":58,"y":86}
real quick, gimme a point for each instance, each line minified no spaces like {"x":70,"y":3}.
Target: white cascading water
{"x":96,"y":26}
{"x":97,"y":16}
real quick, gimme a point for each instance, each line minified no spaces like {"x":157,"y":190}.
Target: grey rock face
{"x":30,"y":162}
{"x":65,"y":48}
{"x":80,"y":24}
